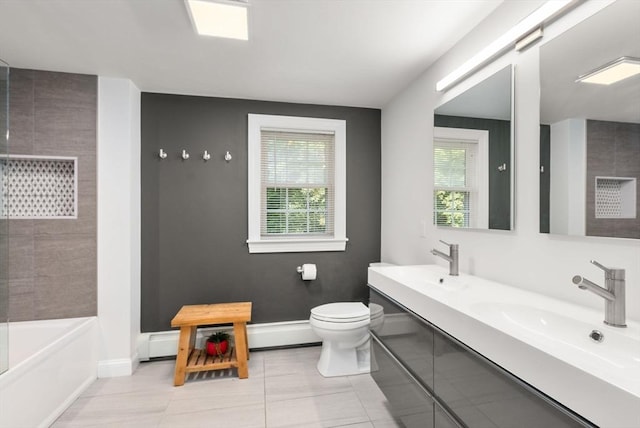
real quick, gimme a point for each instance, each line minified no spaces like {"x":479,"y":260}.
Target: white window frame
{"x":261,"y":244}
{"x":479,"y":216}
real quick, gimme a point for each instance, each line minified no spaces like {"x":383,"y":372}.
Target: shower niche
{"x":615,"y":197}
{"x":37,"y":187}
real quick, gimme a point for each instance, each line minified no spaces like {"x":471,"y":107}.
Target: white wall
{"x":118,"y":225}
{"x":568,"y":177}
{"x":522,"y":257}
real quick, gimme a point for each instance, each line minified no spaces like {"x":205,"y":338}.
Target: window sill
{"x":296,"y":245}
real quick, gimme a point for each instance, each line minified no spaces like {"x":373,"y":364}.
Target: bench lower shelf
{"x":199,"y":360}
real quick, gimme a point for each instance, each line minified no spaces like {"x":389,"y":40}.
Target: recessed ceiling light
{"x":219,"y":18}
{"x":613,"y":71}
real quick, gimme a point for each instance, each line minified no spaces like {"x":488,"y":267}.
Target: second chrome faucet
{"x":613,"y":293}
{"x":452,"y":257}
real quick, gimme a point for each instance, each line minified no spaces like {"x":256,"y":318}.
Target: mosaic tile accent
{"x":608,"y":198}
{"x":38,"y":188}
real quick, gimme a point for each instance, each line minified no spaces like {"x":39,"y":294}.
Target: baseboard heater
{"x":265,"y":335}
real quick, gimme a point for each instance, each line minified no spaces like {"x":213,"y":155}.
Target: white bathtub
{"x":50,"y":363}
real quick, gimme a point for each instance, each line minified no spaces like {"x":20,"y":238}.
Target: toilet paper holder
{"x":308,"y":271}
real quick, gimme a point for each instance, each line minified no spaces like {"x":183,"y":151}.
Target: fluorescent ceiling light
{"x":613,"y":71}
{"x":219,"y":19}
{"x":539,"y":16}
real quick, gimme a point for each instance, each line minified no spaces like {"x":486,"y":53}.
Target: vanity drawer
{"x":410,"y":404}
{"x":481,"y":394}
{"x":407,"y":337}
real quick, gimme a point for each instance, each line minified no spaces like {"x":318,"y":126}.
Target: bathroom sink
{"x":428,"y":276}
{"x":544,"y":341}
{"x":617,"y":349}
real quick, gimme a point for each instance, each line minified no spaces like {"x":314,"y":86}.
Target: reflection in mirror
{"x":590,"y":133}
{"x":472,"y":153}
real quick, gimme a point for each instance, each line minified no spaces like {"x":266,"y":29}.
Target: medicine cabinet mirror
{"x":590,"y":132}
{"x":473,"y":156}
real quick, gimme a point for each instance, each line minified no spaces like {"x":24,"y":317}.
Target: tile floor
{"x":284,"y":389}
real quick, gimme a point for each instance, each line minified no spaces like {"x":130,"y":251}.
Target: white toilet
{"x":344,"y":330}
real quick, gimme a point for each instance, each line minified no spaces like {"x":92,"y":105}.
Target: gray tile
{"x":65,"y":296}
{"x":21,"y":119}
{"x":115,"y":409}
{"x":287,"y":361}
{"x":304,"y":384}
{"x":217,"y":394}
{"x":388,"y":423}
{"x":237,"y":402}
{"x":66,"y":89}
{"x":323,"y":410}
{"x":21,"y":257}
{"x":19,"y":227}
{"x":56,"y":256}
{"x":246,"y":417}
{"x":21,"y":299}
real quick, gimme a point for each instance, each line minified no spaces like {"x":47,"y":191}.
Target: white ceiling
{"x":341,"y":52}
{"x":489,"y":99}
{"x":609,"y":34}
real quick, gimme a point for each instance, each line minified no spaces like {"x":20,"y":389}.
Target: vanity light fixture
{"x":219,"y":18}
{"x":544,"y":13}
{"x":612,"y":72}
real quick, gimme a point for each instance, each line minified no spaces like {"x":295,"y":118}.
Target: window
{"x":460,"y":178}
{"x":297,"y":184}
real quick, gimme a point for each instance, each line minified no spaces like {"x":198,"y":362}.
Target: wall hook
{"x":185,"y":155}
{"x":206,"y":156}
{"x":227,"y":156}
{"x":162,"y":154}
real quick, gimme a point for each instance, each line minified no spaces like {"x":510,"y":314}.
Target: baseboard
{"x":67,"y":402}
{"x":265,"y":335}
{"x":118,"y":367}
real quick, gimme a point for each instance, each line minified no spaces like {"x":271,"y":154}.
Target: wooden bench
{"x":190,"y":359}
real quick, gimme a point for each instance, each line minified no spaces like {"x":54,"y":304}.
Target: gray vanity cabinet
{"x":428,"y":375}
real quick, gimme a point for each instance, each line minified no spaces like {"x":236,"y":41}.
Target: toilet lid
{"x":341,"y":312}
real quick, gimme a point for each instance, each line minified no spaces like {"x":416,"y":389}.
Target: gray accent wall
{"x":194,"y":213}
{"x":613,"y":149}
{"x":52,"y":262}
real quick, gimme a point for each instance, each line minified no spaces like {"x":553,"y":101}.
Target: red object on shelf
{"x":217,"y":348}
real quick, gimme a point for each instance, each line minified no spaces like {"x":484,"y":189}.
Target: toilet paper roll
{"x":309,"y":272}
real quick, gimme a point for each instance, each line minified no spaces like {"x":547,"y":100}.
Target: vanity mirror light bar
{"x":219,"y":18}
{"x":545,"y":12}
{"x":612,"y":72}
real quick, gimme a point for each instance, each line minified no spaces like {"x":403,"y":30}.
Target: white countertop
{"x":542,"y":340}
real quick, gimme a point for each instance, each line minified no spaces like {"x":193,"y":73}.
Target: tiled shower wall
{"x":613,"y":150}
{"x":52,"y":262}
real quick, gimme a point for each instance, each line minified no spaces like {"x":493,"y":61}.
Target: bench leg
{"x":242,"y":349}
{"x":185,"y":345}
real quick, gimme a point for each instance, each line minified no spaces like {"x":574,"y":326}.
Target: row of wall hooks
{"x":185,"y":155}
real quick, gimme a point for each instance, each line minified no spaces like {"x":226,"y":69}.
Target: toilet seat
{"x":341,"y":312}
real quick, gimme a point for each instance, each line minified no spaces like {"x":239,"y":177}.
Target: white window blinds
{"x":297,"y":183}
{"x":455,"y":187}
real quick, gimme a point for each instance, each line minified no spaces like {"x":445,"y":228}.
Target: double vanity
{"x":464,"y":351}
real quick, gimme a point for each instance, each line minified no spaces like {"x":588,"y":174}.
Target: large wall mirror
{"x":590,"y":132}
{"x":473,"y":156}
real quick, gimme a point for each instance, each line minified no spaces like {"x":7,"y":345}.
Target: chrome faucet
{"x":452,"y":258}
{"x":613,"y":293}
